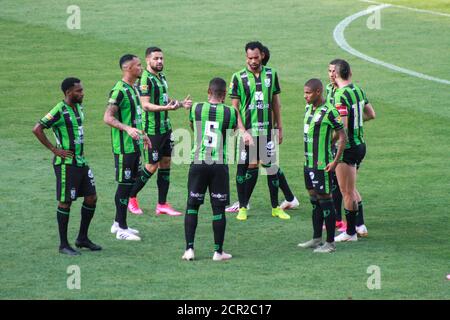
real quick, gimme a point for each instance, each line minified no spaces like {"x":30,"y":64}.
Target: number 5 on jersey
{"x":210,"y":134}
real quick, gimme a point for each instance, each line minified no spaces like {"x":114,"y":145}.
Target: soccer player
{"x":123,"y":115}
{"x":74,"y":178}
{"x":290,"y":202}
{"x":209,"y":170}
{"x":353,"y":106}
{"x":156,"y":103}
{"x":254,"y":93}
{"x":319,"y":121}
{"x":337,"y":195}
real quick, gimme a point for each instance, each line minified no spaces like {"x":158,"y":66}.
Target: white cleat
{"x":287,"y":205}
{"x":221,"y":256}
{"x":188,"y":255}
{"x":327,"y":247}
{"x":343,"y":237}
{"x":313,"y":243}
{"x":235,"y":207}
{"x":362,"y":231}
{"x":125,"y":234}
{"x":115,"y":227}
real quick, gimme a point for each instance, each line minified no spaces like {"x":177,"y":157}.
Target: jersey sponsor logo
{"x":311,"y":175}
{"x":165,"y":98}
{"x":49,"y":117}
{"x":112,"y":101}
{"x":127,"y":173}
{"x":73,"y":193}
{"x":259,"y":105}
{"x":243,"y":155}
{"x":267,"y":82}
{"x":342,"y":109}
{"x":144,"y":87}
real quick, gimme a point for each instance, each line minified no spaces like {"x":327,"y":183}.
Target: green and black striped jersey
{"x":210,"y":123}
{"x":67,"y":125}
{"x":318,"y":125}
{"x":126,"y":97}
{"x":350,"y":101}
{"x":330,"y":91}
{"x":255,"y":95}
{"x":155,"y":87}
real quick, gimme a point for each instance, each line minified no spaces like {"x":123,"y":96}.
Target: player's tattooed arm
{"x":368,"y":112}
{"x":38,"y":131}
{"x":277,"y":117}
{"x":110,"y":119}
{"x":342,"y":136}
{"x":248,"y":140}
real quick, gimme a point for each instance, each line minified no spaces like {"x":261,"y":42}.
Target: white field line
{"x":339,"y":37}
{"x":409,"y":8}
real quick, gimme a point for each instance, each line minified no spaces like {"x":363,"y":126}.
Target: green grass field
{"x":404,"y":179}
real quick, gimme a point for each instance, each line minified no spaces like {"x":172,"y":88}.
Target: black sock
{"x":87,"y":212}
{"x":140,"y":182}
{"x":121,"y":199}
{"x":360,"y":215}
{"x":337,"y":198}
{"x":240,"y":182}
{"x":351,"y":221}
{"x":62,"y":216}
{"x":219,"y":223}
{"x":274,"y":184}
{"x":288,"y":195}
{"x":317,"y":218}
{"x":329,"y":215}
{"x":163,"y":182}
{"x":251,"y":177}
{"x":190,"y":225}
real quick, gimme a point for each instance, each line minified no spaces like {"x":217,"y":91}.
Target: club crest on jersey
{"x":73,"y":194}
{"x":127,"y":173}
{"x":155,"y":155}
{"x":267,"y":82}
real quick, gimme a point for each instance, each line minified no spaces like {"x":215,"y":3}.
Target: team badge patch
{"x":127,"y":173}
{"x":267,"y":82}
{"x":73,"y":194}
{"x":155,"y":155}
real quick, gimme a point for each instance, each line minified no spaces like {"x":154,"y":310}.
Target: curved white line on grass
{"x":338,"y":35}
{"x":409,"y":8}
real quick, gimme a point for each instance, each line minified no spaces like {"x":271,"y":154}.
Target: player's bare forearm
{"x":235,"y":103}
{"x":110,"y":118}
{"x":342,"y":138}
{"x":147,"y":106}
{"x":368,"y":113}
{"x":276,"y":107}
{"x":38,"y":131}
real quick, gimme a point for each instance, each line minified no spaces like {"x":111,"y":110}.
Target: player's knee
{"x":64,"y":205}
{"x":164,"y":163}
{"x":151,"y":167}
{"x":91,"y":200}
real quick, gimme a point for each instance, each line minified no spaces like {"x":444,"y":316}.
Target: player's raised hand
{"x":63,"y":153}
{"x":187,"y":102}
{"x":134,"y":133}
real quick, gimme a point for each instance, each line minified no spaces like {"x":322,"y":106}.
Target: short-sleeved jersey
{"x":67,"y":125}
{"x":255,"y":95}
{"x":317,"y":133}
{"x":155,"y":87}
{"x":350,"y":101}
{"x":210,"y":123}
{"x":330,"y":92}
{"x":126,"y":97}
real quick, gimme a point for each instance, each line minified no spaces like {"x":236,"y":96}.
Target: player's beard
{"x":158,"y":68}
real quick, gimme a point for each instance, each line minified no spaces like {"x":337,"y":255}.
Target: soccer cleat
{"x":125,"y":234}
{"x":345,"y":237}
{"x":133,"y":206}
{"x":362,"y":231}
{"x":87,"y":244}
{"x":242,"y":215}
{"x":69,"y":251}
{"x":313,"y":243}
{"x":222,"y":256}
{"x":235,"y":207}
{"x":278,"y":212}
{"x":288,"y":205}
{"x":115,"y":227}
{"x":188,"y":255}
{"x":166,"y":209}
{"x":341,"y":226}
{"x":327,"y":247}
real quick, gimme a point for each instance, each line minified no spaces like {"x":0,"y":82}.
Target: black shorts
{"x":162,"y":146}
{"x":127,"y":167}
{"x":215,"y":177}
{"x":354,"y":155}
{"x":318,"y":180}
{"x":263,"y":150}
{"x":73,"y":182}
